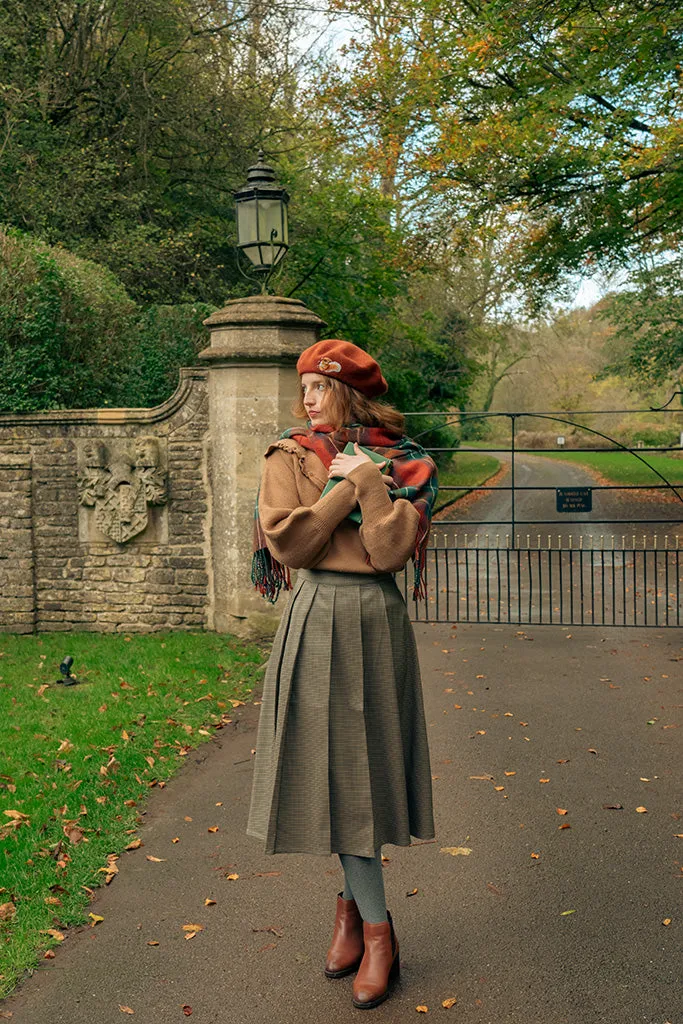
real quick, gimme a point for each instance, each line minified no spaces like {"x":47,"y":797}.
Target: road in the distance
{"x":535,"y":511}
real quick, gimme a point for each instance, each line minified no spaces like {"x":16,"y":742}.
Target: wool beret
{"x":346,"y":362}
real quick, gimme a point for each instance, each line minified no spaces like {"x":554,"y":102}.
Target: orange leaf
{"x":498,"y":788}
{"x":152,"y":942}
{"x":561,"y":810}
{"x":193,"y":927}
{"x":510,"y":773}
{"x":125,"y":1009}
{"x":447,"y":1003}
{"x":641,"y":810}
{"x":187,"y":1009}
{"x":535,"y":856}
{"x":232,"y":878}
{"x":666,"y":921}
{"x":208,"y":902}
{"x":413,"y":892}
{"x":564,"y":825}
{"x":212,"y":828}
{"x":544,"y":780}
{"x":136,"y":844}
{"x":422,"y":1009}
{"x":157,"y":860}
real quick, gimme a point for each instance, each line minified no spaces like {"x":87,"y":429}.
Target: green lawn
{"x":624,"y":468}
{"x":470,"y":469}
{"x":77,"y":762}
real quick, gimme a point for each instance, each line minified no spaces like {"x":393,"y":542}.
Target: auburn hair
{"x":347,"y":405}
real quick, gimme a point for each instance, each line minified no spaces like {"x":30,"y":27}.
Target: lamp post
{"x":262,"y":231}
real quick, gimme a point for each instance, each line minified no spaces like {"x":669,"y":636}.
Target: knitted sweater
{"x":305,"y":531}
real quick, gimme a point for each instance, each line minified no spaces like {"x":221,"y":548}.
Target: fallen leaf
{"x":641,"y":810}
{"x":157,"y":860}
{"x":508,"y":714}
{"x":152,"y":942}
{"x":264,"y":949}
{"x":54,"y":933}
{"x":413,"y":892}
{"x":612,"y":807}
{"x":666,"y":921}
{"x":135,"y":845}
{"x":447,"y":1003}
{"x":565,"y":913}
{"x":494,"y":889}
{"x":96,"y":918}
{"x":483,"y":778}
{"x":232,"y":878}
{"x":535,"y":856}
{"x":544,"y":780}
{"x":678,"y":835}
{"x":561,"y":810}
{"x":7,"y":911}
{"x":193,"y":927}
{"x":564,"y":825}
{"x":187,"y":1009}
{"x":498,"y":788}
{"x":564,"y":760}
{"x":510,"y":773}
{"x":422,"y":1009}
{"x":456,"y":851}
{"x":592,"y":750}
{"x":212,"y":828}
{"x":125,"y":1009}
{"x":208,"y":902}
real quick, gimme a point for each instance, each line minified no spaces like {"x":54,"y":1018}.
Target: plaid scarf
{"x":411,"y":468}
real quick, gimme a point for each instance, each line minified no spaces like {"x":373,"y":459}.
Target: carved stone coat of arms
{"x":122,"y":485}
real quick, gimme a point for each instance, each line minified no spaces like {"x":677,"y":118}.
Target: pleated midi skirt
{"x":342,"y":760}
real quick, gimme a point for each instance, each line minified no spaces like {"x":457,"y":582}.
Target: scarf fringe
{"x":268,"y":575}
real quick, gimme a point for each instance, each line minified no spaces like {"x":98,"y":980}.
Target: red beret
{"x":346,"y":362}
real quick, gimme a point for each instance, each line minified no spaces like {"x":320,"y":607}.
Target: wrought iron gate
{"x":522,"y":572}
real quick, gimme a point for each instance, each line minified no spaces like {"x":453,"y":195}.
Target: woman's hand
{"x":342,"y":465}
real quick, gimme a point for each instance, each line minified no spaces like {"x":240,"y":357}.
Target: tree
{"x":570,"y":109}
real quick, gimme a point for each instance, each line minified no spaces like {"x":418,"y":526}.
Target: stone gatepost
{"x":255,"y":343}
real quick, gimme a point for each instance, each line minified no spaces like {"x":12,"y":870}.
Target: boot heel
{"x":395,"y":972}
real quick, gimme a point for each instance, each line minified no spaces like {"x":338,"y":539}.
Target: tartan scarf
{"x":411,"y":468}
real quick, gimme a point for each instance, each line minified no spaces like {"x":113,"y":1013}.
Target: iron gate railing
{"x":620,"y":580}
{"x":567,"y":586}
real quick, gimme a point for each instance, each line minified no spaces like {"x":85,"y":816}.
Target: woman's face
{"x":315,"y":392}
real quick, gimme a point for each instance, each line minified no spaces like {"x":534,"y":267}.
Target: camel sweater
{"x":305,"y":531}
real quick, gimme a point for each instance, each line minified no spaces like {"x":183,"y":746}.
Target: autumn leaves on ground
{"x":77,"y":761}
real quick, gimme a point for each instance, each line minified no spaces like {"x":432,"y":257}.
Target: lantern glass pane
{"x":246,"y":221}
{"x":270,"y":220}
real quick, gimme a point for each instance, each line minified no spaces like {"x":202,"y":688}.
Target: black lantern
{"x":262,"y":232}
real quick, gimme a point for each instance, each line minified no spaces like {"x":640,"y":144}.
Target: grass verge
{"x":77,"y":762}
{"x":470,"y":469}
{"x":624,"y":468}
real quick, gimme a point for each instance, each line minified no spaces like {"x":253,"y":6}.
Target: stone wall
{"x":105,"y":517}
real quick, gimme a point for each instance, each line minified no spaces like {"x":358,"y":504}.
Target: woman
{"x":342,"y":762}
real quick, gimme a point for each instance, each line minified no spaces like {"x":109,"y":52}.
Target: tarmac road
{"x":593,"y":711}
{"x":536,"y":513}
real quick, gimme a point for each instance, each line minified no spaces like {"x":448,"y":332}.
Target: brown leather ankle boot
{"x":346,"y":949}
{"x":379,"y":966}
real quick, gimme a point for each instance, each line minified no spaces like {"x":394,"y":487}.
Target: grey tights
{"x":364,"y":883}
